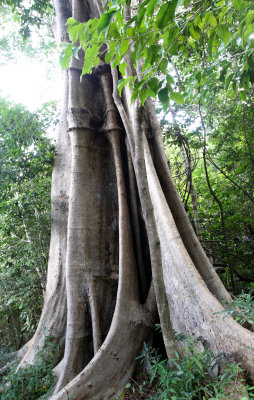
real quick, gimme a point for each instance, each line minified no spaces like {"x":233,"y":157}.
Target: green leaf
{"x":71,"y":21}
{"x":150,"y":7}
{"x":113,"y":31}
{"x":74,"y":31}
{"x":223,"y":72}
{"x":240,"y":5}
{"x":143,"y":94}
{"x":162,"y":17}
{"x":122,"y":67}
{"x":82,"y":38}
{"x":245,"y":80}
{"x":91,"y":59}
{"x":111,"y":52}
{"x":122,"y":83}
{"x":124,"y":48}
{"x":166,"y":14}
{"x":177,"y":97}
{"x":228,"y":80}
{"x":164,"y":99}
{"x":210,"y":43}
{"x":130,"y":32}
{"x":248,"y":31}
{"x":134,"y":95}
{"x":224,"y":33}
{"x":65,"y":56}
{"x":116,"y":61}
{"x":197,"y":20}
{"x":154,"y":84}
{"x":202,"y":21}
{"x":250,"y":62}
{"x":11,"y":300}
{"x":140,"y":17}
{"x":198,"y":76}
{"x":119,"y":19}
{"x":212,"y":20}
{"x":170,"y":80}
{"x":194,"y":31}
{"x":105,"y":20}
{"x":250,"y":17}
{"x":163,"y":66}
{"x":243,"y":96}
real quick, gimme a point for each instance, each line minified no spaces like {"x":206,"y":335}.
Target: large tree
{"x":122,"y":247}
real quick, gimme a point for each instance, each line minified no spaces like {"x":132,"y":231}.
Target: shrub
{"x":191,"y":377}
{"x":245,"y":303}
{"x":32,"y":382}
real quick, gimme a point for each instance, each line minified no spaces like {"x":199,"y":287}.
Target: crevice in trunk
{"x":139,"y":233}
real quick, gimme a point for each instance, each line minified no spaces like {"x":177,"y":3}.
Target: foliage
{"x":29,"y":13}
{"x":31,"y":382}
{"x":245,"y":303}
{"x":39,"y":44}
{"x":25,"y":175}
{"x":229,"y":158}
{"x":212,"y":39}
{"x":190,"y":377}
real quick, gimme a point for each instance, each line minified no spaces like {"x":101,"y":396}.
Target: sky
{"x":31,"y":77}
{"x":27,"y":81}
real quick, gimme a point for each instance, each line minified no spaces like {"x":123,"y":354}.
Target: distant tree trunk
{"x":183,"y":143}
{"x":122,"y":246}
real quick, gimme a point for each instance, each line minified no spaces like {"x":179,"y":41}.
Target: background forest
{"x":207,"y":123}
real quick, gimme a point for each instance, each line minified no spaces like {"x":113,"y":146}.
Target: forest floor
{"x":140,"y":388}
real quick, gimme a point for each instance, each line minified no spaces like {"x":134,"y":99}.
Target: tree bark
{"x":122,"y":246}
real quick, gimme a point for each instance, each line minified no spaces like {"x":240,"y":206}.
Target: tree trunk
{"x":122,"y":246}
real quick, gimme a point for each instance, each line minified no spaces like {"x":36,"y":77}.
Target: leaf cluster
{"x":190,"y":378}
{"x":209,"y":39}
{"x":32,"y":382}
{"x":245,"y":303}
{"x":29,"y":13}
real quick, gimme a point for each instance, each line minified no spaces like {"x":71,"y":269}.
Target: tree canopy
{"x":210,"y":41}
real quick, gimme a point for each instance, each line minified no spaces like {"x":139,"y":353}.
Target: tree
{"x":122,"y":246}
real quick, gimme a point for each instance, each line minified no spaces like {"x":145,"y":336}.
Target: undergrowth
{"x":31,"y":382}
{"x":245,"y":303}
{"x":190,"y":379}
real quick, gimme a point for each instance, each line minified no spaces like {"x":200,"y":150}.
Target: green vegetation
{"x":25,"y":175}
{"x":207,"y":38}
{"x":218,"y":168}
{"x":245,"y":303}
{"x":28,"y":14}
{"x":188,"y":376}
{"x":193,"y":373}
{"x":33,"y":382}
